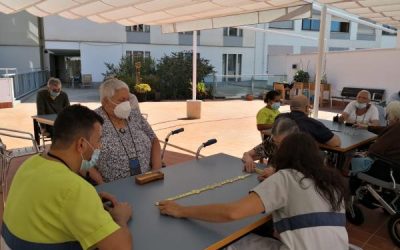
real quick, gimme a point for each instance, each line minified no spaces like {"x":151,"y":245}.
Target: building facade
{"x":75,"y":47}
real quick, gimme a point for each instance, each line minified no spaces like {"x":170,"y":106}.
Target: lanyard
{"x":119,"y":137}
{"x":58,"y":158}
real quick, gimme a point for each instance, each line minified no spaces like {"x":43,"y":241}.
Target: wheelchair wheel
{"x":394,"y":229}
{"x":358,"y":217}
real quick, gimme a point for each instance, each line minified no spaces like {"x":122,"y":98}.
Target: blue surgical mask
{"x":86,"y":165}
{"x":54,"y":94}
{"x":276,"y":105}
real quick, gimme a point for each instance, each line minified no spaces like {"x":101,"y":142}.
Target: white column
{"x":320,"y":59}
{"x":398,"y":39}
{"x":378,"y":38}
{"x":194,"y":69}
{"x":353,"y":30}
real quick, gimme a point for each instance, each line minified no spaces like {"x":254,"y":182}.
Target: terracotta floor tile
{"x":358,"y":235}
{"x":357,"y":243}
{"x":381,"y":243}
{"x":369,"y":247}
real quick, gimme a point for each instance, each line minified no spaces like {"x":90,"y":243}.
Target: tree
{"x":125,"y":71}
{"x":175,"y":74}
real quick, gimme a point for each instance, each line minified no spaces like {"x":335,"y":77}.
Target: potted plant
{"x":141,"y":90}
{"x":301,"y":76}
{"x":249,"y":97}
{"x":201,"y":90}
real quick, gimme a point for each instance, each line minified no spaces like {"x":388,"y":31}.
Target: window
{"x":231,"y":66}
{"x":281,"y":25}
{"x":310,"y":24}
{"x":340,"y":26}
{"x":189,"y":33}
{"x":135,"y":55}
{"x":387,"y":33}
{"x":233,"y":32}
{"x":138,"y":28}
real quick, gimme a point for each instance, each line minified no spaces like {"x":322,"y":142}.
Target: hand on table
{"x":109,"y":197}
{"x":249,"y":164}
{"x":360,"y":126}
{"x":170,"y":208}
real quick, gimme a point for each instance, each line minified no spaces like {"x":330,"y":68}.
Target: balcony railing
{"x":237,"y":86}
{"x":25,"y":83}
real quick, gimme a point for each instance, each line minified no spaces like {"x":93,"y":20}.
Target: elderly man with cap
{"x":299,"y":109}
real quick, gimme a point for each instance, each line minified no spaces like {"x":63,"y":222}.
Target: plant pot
{"x":249,"y":97}
{"x":142,"y":97}
{"x":157,"y":96}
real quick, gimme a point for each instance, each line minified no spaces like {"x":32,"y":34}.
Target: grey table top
{"x":350,"y":137}
{"x":154,"y":231}
{"x":45,"y":119}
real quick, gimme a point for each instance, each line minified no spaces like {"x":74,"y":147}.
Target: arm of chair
{"x":385,"y":160}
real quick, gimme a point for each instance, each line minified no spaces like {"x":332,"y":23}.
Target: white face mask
{"x":360,"y":105}
{"x":122,"y":110}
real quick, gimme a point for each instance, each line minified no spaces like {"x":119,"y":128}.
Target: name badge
{"x":134,"y":166}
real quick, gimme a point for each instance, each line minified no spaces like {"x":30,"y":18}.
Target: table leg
{"x":36,"y":131}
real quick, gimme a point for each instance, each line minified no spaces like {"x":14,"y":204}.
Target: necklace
{"x":58,"y":158}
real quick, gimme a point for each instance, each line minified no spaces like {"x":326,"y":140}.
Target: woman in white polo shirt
{"x":305,"y":197}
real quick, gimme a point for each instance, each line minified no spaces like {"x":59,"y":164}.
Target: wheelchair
{"x":377,"y":193}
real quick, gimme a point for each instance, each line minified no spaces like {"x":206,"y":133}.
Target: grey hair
{"x":109,"y":86}
{"x":284,"y":127}
{"x":53,"y":82}
{"x":393,"y":110}
{"x":365,"y":91}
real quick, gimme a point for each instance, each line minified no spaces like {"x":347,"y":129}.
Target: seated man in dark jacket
{"x":51,"y":100}
{"x":299,"y":109}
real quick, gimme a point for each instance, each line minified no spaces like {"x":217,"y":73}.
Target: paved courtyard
{"x":231,"y":122}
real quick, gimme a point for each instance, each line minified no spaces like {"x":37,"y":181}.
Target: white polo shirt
{"x":371,"y":115}
{"x":303,"y":218}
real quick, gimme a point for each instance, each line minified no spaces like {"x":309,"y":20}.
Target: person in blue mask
{"x":266,"y":116}
{"x":51,"y":100}
{"x":49,"y":206}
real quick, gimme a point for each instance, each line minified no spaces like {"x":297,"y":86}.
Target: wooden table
{"x":43,"y":119}
{"x":151,"y":230}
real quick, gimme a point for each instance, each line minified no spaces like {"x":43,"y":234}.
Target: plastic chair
{"x":280,"y":87}
{"x":7,"y":155}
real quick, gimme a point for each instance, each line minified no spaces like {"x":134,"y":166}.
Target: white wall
{"x":19,"y":42}
{"x":212,"y":37}
{"x":94,"y":55}
{"x":24,"y":58}
{"x":19,"y":29}
{"x":388,"y":42}
{"x":157,"y":37}
{"x":249,"y":38}
{"x":57,"y":28}
{"x":375,"y":68}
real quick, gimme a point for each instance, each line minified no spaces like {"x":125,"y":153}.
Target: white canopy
{"x":380,"y":11}
{"x":174,"y":15}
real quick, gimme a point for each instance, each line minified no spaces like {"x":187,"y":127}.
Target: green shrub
{"x":301,"y":76}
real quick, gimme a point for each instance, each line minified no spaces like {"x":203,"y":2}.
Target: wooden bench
{"x":350,"y":94}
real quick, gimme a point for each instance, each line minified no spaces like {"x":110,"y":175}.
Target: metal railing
{"x":237,"y":86}
{"x":25,"y":83}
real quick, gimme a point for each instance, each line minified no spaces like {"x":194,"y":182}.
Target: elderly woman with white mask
{"x":129,"y":145}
